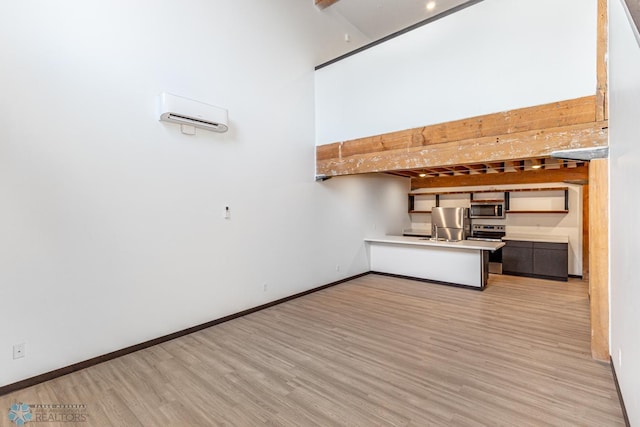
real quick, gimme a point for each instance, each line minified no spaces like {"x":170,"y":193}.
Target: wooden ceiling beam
{"x":460,"y":169}
{"x":537,"y":164}
{"x":497,"y":166}
{"x":324,"y":3}
{"x":578,"y":174}
{"x":444,"y":171}
{"x":517,"y":165}
{"x":403,"y":174}
{"x":512,"y":146}
{"x":602,"y":102}
{"x":553,"y":115}
{"x":477,"y":168}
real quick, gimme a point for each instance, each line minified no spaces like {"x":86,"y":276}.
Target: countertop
{"x":545,"y":238}
{"x":423,"y":232}
{"x":417,"y":241}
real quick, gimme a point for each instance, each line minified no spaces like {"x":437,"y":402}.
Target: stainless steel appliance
{"x":487,"y":209}
{"x":490,"y":233}
{"x":451,"y":224}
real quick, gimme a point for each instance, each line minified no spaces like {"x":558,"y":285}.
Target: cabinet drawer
{"x":553,"y":246}
{"x":518,"y":244}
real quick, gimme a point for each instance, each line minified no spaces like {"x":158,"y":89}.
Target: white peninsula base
{"x":463,"y":263}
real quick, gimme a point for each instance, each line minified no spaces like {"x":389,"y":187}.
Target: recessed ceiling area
{"x":525,"y":171}
{"x":490,"y":167}
{"x":379,"y":18}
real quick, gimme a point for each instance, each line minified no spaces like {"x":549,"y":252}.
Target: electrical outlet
{"x":337,"y":267}
{"x":18,"y":351}
{"x":265,"y":287}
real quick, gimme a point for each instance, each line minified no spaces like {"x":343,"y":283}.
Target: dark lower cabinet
{"x":517,"y":257}
{"x":536,"y":259}
{"x":551,"y":260}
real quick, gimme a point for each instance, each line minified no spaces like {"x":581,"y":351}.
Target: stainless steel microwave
{"x":487,"y":209}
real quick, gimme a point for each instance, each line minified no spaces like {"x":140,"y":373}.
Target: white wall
{"x":494,"y":56}
{"x":111,"y":222}
{"x":624,"y":162}
{"x":569,"y":224}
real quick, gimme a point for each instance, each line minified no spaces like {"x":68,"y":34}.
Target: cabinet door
{"x":551,"y":260}
{"x":517,"y":257}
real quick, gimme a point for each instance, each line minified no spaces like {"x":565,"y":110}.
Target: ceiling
{"x":490,"y":167}
{"x":379,"y":18}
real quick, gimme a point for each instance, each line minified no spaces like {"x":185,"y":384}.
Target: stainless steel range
{"x":487,"y":232}
{"x":490,"y":233}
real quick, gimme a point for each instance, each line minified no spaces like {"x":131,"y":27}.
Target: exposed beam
{"x":537,"y":164}
{"x":443,"y":171}
{"x":427,"y":173}
{"x":496,"y":166}
{"x":602,"y":103}
{"x":478,"y":168}
{"x":512,"y":146}
{"x":517,"y":165}
{"x":599,"y":258}
{"x":460,"y":169}
{"x":585,"y":232}
{"x":526,"y":177}
{"x":553,"y":115}
{"x":324,"y":3}
{"x":403,"y":174}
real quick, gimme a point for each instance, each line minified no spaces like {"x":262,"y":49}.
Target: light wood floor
{"x":374,"y":351}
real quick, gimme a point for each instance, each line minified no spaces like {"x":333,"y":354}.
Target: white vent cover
{"x":185,"y":111}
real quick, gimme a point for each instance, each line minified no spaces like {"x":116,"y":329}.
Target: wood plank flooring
{"x":375,"y":351}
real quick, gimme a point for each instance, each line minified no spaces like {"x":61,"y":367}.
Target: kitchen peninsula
{"x":463,"y":263}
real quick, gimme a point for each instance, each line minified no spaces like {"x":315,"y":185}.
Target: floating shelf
{"x":488,"y":201}
{"x":538,"y":189}
{"x":538,"y":212}
{"x":501,"y":190}
{"x":506,"y":200}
